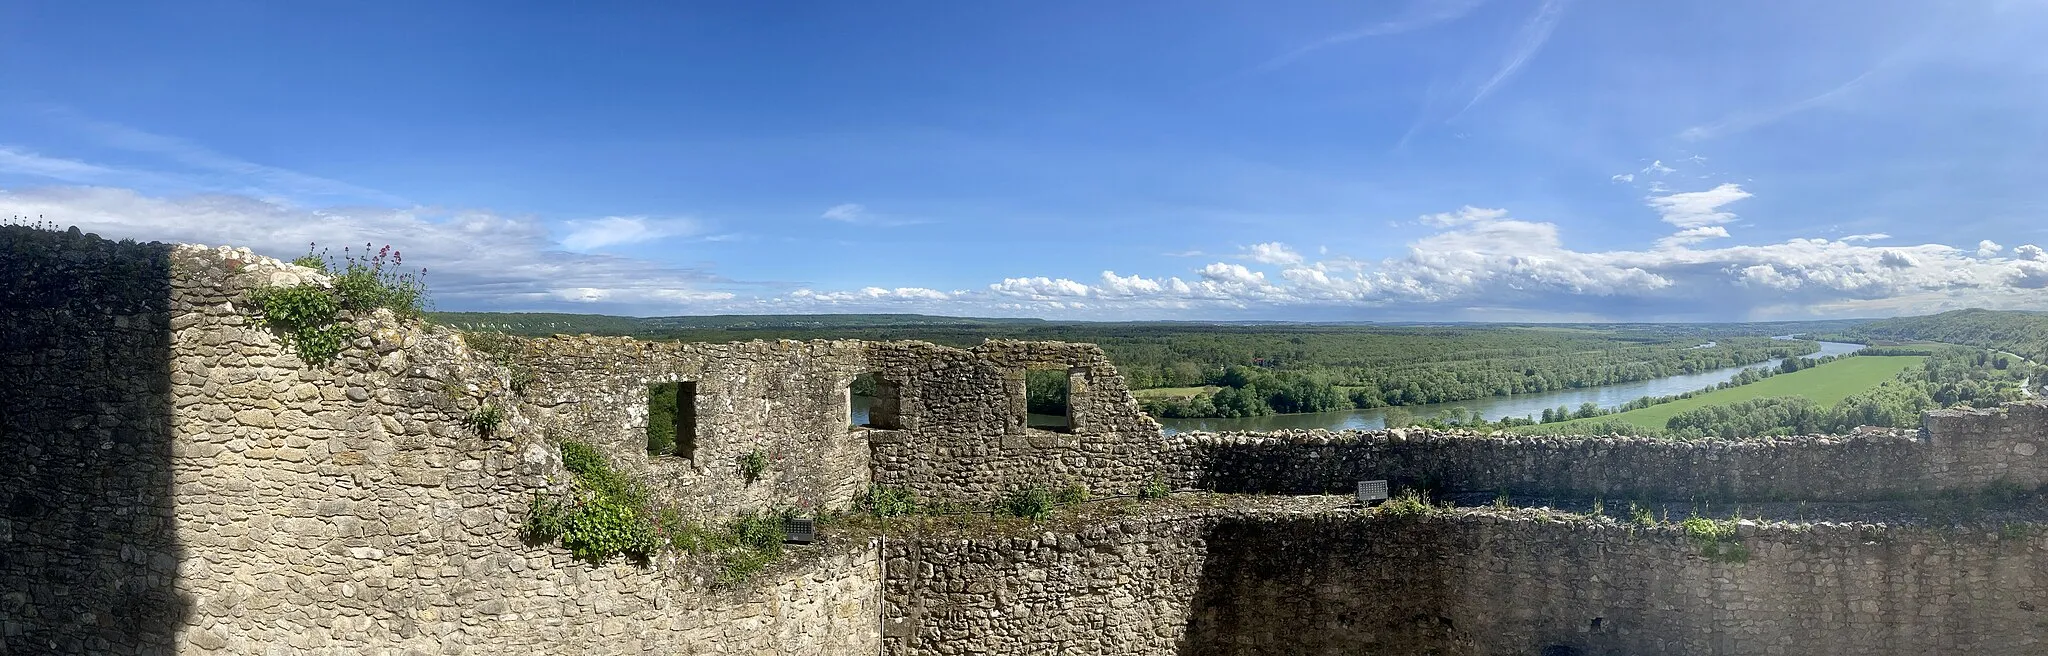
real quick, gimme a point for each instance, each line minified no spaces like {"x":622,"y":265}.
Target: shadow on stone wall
{"x":88,"y":550}
{"x":1322,"y":586}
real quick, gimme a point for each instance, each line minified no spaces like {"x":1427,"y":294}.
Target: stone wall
{"x":964,"y":436}
{"x":1958,"y":450}
{"x":189,"y":485}
{"x":1532,"y":582}
{"x":1299,"y":576}
{"x":1119,"y":588}
{"x":88,"y":548}
{"x":960,"y":431}
{"x":785,"y":399}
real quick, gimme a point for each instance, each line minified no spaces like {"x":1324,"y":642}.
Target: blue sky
{"x":1452,"y":159}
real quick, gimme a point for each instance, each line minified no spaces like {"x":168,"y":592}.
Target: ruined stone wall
{"x":88,"y":550}
{"x":1531,"y":582}
{"x":1291,"y":578}
{"x":185,"y":484}
{"x":785,"y":399}
{"x":1120,"y":588}
{"x":1959,"y":450}
{"x":964,"y":435}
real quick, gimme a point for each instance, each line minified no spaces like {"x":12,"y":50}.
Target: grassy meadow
{"x":1826,"y":385}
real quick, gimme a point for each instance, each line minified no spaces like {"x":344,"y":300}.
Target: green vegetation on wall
{"x":605,"y":514}
{"x":310,"y":316}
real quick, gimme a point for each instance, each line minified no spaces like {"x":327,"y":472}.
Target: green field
{"x":1826,"y":385}
{"x":1174,"y":392}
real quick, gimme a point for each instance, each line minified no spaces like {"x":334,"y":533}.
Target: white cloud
{"x":869,"y":295}
{"x":1623,"y":177}
{"x":1040,"y":288}
{"x":1875,"y":236}
{"x":1464,"y":216}
{"x":1478,"y":263}
{"x":1658,"y":167}
{"x":593,"y":234}
{"x":1272,"y":252}
{"x":1691,"y":236}
{"x":847,"y":212}
{"x":1233,"y":274}
{"x":1897,"y":260}
{"x":475,"y":260}
{"x":1694,"y":209}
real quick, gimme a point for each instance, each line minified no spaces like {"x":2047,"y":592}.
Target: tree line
{"x":1249,"y":391}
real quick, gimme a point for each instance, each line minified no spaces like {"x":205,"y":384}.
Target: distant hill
{"x":549,"y":323}
{"x":2023,"y":333}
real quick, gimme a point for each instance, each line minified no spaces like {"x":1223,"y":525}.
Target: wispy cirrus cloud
{"x":1749,"y":120}
{"x":1527,"y":42}
{"x":191,"y":161}
{"x":1419,"y":15}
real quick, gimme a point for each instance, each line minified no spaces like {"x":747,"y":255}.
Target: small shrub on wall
{"x":884,"y":501}
{"x":606,"y":514}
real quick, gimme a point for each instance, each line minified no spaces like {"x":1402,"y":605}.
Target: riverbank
{"x":1522,"y":405}
{"x":1826,"y":385}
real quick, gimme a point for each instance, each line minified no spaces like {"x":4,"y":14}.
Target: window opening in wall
{"x":672,"y":419}
{"x":874,"y":402}
{"x":1045,"y":399}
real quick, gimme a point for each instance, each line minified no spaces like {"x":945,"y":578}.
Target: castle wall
{"x":347,"y":507}
{"x":1959,"y":450}
{"x":1293,"y":580}
{"x":1122,"y":588}
{"x":1530,"y":582}
{"x":785,"y":399}
{"x":965,"y":438}
{"x":89,"y":552}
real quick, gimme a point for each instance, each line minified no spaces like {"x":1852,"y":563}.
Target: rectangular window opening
{"x":1045,"y":400}
{"x":874,"y":402}
{"x":672,"y":419}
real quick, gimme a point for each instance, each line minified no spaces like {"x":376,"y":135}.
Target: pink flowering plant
{"x":370,"y":279}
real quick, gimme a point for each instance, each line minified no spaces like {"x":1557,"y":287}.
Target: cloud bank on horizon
{"x":1873,"y":179}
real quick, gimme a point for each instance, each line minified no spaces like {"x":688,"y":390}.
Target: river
{"x":1493,"y":407}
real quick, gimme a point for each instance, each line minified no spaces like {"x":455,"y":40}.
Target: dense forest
{"x":2021,"y":333}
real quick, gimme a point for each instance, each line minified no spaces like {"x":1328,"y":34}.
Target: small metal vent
{"x":800,"y":530}
{"x":1370,"y":491}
